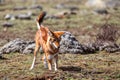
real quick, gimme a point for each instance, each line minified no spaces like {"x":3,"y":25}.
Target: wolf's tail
{"x":40,"y":19}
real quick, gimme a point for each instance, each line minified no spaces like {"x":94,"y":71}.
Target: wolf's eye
{"x":51,"y":39}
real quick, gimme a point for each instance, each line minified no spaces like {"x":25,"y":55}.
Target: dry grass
{"x":99,"y":66}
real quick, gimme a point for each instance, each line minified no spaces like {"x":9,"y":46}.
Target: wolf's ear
{"x":59,"y":33}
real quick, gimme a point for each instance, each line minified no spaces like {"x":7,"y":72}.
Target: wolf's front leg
{"x":49,"y":60}
{"x":55,"y":60}
{"x":45,"y":61}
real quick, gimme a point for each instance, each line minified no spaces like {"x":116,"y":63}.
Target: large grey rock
{"x":29,"y":48}
{"x":16,"y":45}
{"x":68,"y":44}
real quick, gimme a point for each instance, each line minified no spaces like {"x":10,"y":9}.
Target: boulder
{"x":16,"y":45}
{"x":69,"y":44}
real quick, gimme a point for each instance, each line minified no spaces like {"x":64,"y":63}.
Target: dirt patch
{"x":6,"y":36}
{"x":71,"y":68}
{"x":49,"y":75}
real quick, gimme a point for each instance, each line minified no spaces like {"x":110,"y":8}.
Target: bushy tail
{"x":40,"y":19}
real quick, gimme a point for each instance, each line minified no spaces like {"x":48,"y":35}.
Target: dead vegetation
{"x":84,"y":25}
{"x":108,"y":32}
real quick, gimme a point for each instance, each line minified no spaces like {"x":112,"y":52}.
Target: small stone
{"x":7,"y":24}
{"x":20,"y":8}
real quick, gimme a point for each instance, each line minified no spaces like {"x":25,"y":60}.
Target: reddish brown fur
{"x":42,"y":39}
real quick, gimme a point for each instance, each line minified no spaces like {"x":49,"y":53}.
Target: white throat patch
{"x":55,"y":45}
{"x":38,"y":25}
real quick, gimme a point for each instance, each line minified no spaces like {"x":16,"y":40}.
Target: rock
{"x":23,"y":17}
{"x":16,"y":45}
{"x":31,"y":13}
{"x":98,"y":4}
{"x":63,"y":6}
{"x":36,"y":7}
{"x":61,"y":15}
{"x":29,"y":48}
{"x":59,"y":6}
{"x":20,"y":16}
{"x":103,"y":4}
{"x":113,"y":4}
{"x":73,"y":12}
{"x":73,"y":8}
{"x":101,"y":11}
{"x":113,"y":49}
{"x":68,"y":44}
{"x":9,"y":17}
{"x":7,"y":24}
{"x":20,"y":8}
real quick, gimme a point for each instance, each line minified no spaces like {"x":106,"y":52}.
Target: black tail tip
{"x":41,"y":17}
{"x":44,"y":13}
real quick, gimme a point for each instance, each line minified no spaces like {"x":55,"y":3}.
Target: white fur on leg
{"x":33,"y":63}
{"x":45,"y":62}
{"x":49,"y":57}
{"x":50,"y":66}
{"x":55,"y":64}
